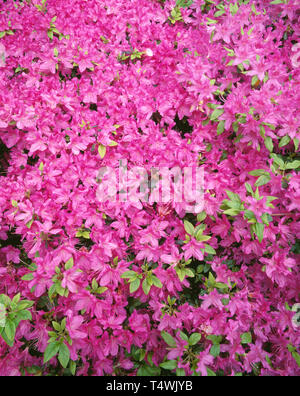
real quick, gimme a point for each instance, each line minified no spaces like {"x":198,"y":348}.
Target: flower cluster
{"x":137,"y":288}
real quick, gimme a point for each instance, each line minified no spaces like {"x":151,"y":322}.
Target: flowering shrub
{"x":92,"y":287}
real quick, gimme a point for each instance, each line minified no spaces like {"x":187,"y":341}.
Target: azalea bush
{"x":114,"y":287}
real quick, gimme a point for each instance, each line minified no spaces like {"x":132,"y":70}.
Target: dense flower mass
{"x":120,"y":287}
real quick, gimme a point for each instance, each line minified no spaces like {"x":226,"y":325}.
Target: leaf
{"x":233,"y":196}
{"x":216,"y":114}
{"x":180,"y":273}
{"x":129,"y":275}
{"x":249,"y":188}
{"x":246,"y":338}
{"x":24,"y":315}
{"x":259,"y":172}
{"x":10,"y":329}
{"x":194,"y":338}
{"x":189,"y":228}
{"x":203,"y":238}
{"x":277,"y":160}
{"x":269,"y":144}
{"x":73,"y":367}
{"x":180,"y":372}
{"x":168,"y":339}
{"x":52,"y":291}
{"x":64,"y":355}
{"x":258,"y":229}
{"x":293,"y":165}
{"x":183,"y":336}
{"x":146,"y":287}
{"x":14,"y":203}
{"x":296,"y":356}
{"x":215,"y":350}
{"x":156,"y":282}
{"x":169,"y":365}
{"x":210,"y":373}
{"x":262,"y":180}
{"x":284,"y":141}
{"x":27,"y":277}
{"x":201,"y":216}
{"x":145,"y":371}
{"x":209,"y":249}
{"x":2,"y":315}
{"x":69,"y":264}
{"x":51,"y":350}
{"x":102,"y":150}
{"x":221,"y":127}
{"x":134,"y":285}
{"x":6,"y":339}
{"x":189,"y":273}
{"x":56,"y":326}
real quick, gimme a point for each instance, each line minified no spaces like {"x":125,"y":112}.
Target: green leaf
{"x":2,"y":315}
{"x":296,"y":356}
{"x":209,"y":249}
{"x":168,"y":339}
{"x":56,"y":326}
{"x":102,"y":150}
{"x":14,"y":203}
{"x":262,"y":180}
{"x":189,"y":228}
{"x":233,"y":196}
{"x":246,"y":338}
{"x":183,"y":336}
{"x":73,"y":367}
{"x":27,"y":277}
{"x":258,"y":229}
{"x":51,"y":350}
{"x":201,"y":216}
{"x":180,"y":372}
{"x":146,"y":287}
{"x":6,"y":339}
{"x":278,"y":160}
{"x":134,"y":285}
{"x":259,"y":172}
{"x":249,"y":188}
{"x":215,"y":350}
{"x":221,"y":127}
{"x":189,"y":273}
{"x":216,"y":114}
{"x":145,"y":371}
{"x":129,"y":275}
{"x":284,"y":141}
{"x":293,"y":165}
{"x":194,"y":338}
{"x":156,"y":282}
{"x":69,"y":264}
{"x":269,"y":144}
{"x":24,"y":315}
{"x":169,"y":365}
{"x":203,"y":238}
{"x":10,"y":329}
{"x":52,"y":291}
{"x":210,"y":373}
{"x":64,"y":355}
